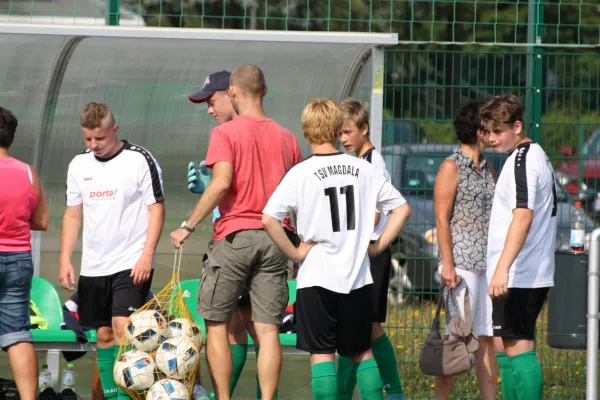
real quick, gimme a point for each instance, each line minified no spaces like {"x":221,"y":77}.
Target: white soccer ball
{"x":167,"y":389}
{"x":134,"y":370}
{"x":177,"y":357}
{"x":146,"y":330}
{"x":183,"y":326}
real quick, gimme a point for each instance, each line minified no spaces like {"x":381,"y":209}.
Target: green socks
{"x":121,"y":394}
{"x":346,"y":378}
{"x":385,"y":356}
{"x":239,"y":352}
{"x":369,"y":380}
{"x":507,"y":376}
{"x":258,"y":391}
{"x":324,"y":381}
{"x":527,"y":376}
{"x":106,"y":363}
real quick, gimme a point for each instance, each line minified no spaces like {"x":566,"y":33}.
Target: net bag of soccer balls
{"x":161,"y":352}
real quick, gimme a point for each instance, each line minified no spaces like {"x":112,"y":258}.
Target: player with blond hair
{"x":116,"y":188}
{"x":334,"y":196}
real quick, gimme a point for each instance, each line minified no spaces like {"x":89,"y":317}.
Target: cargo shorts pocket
{"x":206,"y":290}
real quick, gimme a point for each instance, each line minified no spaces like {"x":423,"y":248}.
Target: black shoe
{"x":68,"y":394}
{"x":47,"y":394}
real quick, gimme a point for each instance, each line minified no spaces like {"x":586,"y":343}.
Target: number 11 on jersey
{"x":348,"y":191}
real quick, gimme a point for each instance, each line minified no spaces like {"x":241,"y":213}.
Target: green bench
{"x":190,"y":290}
{"x":55,"y":340}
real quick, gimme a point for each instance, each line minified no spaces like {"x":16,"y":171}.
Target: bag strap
{"x":435,"y":325}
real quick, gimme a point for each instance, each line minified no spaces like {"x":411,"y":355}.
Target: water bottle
{"x":45,"y":379}
{"x":68,"y":378}
{"x":578,"y":228}
{"x":199,"y":393}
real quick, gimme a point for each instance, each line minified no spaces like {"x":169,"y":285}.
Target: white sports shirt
{"x":526,"y":181}
{"x":374,"y":157}
{"x":115,"y":193}
{"x":334,"y":197}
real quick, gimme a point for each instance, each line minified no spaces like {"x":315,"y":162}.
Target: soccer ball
{"x":177,"y":357}
{"x":134,"y":370}
{"x":183,"y":326}
{"x":167,"y":389}
{"x":146,"y":330}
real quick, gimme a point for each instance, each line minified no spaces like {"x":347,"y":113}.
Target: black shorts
{"x":381,"y":266}
{"x":515,"y":314}
{"x":244,"y":299}
{"x":104,"y":297}
{"x":327,"y":321}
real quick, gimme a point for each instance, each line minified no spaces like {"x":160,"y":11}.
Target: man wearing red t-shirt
{"x":249,"y":156}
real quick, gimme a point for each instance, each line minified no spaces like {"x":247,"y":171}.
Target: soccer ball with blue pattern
{"x":134,"y":370}
{"x":167,"y":389}
{"x":146,"y":330}
{"x":177,"y":357}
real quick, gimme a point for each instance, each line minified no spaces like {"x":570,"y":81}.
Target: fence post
{"x":593,"y":314}
{"x":535,"y":65}
{"x":112,"y":12}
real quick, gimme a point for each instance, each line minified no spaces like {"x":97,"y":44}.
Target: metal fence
{"x":546,"y":52}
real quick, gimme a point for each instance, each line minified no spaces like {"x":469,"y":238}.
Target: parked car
{"x":413,"y":169}
{"x":588,"y":161}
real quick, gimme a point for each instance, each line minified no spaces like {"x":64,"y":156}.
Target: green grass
{"x":408,"y":327}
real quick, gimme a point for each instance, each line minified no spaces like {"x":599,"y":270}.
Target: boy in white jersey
{"x":117,"y":188}
{"x":355,"y":138}
{"x":334,"y":196}
{"x":521,"y":244}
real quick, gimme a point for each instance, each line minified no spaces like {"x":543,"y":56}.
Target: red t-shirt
{"x":261,"y":152}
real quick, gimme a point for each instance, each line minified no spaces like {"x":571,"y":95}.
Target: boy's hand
{"x":303,"y":250}
{"x":499,"y":283}
{"x":198,"y":177}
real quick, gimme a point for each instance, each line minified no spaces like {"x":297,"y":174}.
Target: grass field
{"x":408,"y":327}
{"x":564,"y":371}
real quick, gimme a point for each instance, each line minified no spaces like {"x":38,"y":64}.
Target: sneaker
{"x":47,"y":394}
{"x":68,"y":394}
{"x":396,"y":396}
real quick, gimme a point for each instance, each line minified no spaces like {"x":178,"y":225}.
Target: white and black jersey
{"x":115,"y":193}
{"x":335,"y":197}
{"x":374,"y":157}
{"x":526,"y":181}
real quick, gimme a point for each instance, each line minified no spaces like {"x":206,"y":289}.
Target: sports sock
{"x":239,"y":352}
{"x":258,"y":391}
{"x":507,"y":376}
{"x":369,"y":380}
{"x":106,"y":363}
{"x":346,"y":377}
{"x":324,"y":381}
{"x":385,"y":356}
{"x":529,"y":381}
{"x":121,"y":394}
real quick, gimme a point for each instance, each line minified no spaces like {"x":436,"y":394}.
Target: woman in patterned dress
{"x":463,"y":194}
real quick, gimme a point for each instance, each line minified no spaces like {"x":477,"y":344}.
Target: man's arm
{"x":215,"y":192}
{"x":156,"y":220}
{"x":515,"y":239}
{"x":70,"y":230}
{"x":397,"y":220}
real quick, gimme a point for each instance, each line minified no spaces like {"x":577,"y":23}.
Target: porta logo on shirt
{"x":108,"y":194}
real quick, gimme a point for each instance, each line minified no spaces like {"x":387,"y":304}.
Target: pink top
{"x":261,"y":152}
{"x":18,"y":201}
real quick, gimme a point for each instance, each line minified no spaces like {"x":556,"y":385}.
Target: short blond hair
{"x":498,"y":110}
{"x":322,"y":121}
{"x":356,"y":112}
{"x":95,"y":115}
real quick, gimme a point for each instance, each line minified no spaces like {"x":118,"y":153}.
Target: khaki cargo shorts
{"x":244,"y":259}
